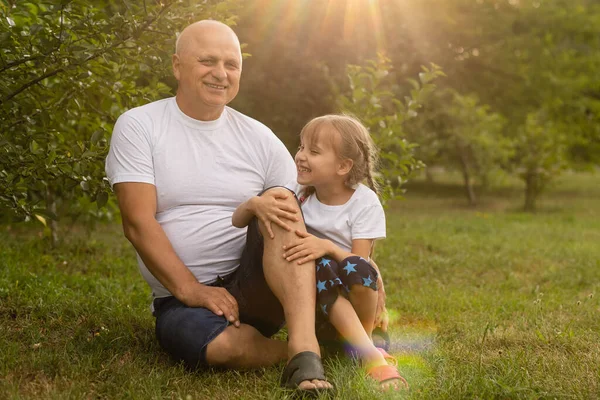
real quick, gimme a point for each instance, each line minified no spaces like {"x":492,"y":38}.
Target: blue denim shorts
{"x":185,"y":332}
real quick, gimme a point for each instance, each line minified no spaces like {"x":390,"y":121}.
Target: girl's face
{"x":316,"y":160}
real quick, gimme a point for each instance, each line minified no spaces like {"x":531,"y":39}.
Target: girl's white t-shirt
{"x":361,"y":217}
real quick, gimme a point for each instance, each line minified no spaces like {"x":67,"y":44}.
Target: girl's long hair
{"x":356,"y":144}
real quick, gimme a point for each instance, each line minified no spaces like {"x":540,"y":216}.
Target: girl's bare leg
{"x":364,"y":301}
{"x":345,"y":319}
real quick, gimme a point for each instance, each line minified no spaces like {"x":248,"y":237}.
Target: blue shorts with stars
{"x":334,"y":278}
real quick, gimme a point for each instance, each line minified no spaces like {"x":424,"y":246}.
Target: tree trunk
{"x":468,"y":181}
{"x":484,"y":179}
{"x":429,"y":175}
{"x":532,"y":190}
{"x":53,"y":224}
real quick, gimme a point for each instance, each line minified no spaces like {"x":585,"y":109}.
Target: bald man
{"x":180,"y":167}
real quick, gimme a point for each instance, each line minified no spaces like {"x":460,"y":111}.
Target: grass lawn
{"x":485,"y":303}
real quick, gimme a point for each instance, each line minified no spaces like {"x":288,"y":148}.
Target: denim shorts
{"x":185,"y":332}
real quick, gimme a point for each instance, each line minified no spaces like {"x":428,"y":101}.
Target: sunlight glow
{"x":359,"y":25}
{"x":365,"y":16}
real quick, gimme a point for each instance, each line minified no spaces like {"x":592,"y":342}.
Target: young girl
{"x":343,"y":218}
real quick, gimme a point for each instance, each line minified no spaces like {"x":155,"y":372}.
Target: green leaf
{"x":89,"y":154}
{"x":101,"y":199}
{"x":45,"y":213}
{"x":41,"y":219}
{"x":4,"y":37}
{"x":35,"y":28}
{"x":96,"y":136}
{"x":34,"y":147}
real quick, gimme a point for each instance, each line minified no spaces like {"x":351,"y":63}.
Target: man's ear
{"x":176,"y":62}
{"x":344,"y":167}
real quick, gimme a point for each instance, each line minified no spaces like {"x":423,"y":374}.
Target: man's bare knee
{"x":291,"y":201}
{"x":226,"y":350}
{"x":244,"y":347}
{"x":283,"y":191}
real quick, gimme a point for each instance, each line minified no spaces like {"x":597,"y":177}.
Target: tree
{"x":519,"y":57}
{"x":68,"y":69}
{"x":371,"y":98}
{"x":541,"y":155}
{"x":458,"y":132}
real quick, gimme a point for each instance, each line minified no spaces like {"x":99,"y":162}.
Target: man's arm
{"x":137,"y":202}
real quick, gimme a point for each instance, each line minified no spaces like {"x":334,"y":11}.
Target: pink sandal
{"x":384,"y":373}
{"x":391,"y":360}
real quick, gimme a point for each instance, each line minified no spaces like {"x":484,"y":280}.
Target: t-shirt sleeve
{"x":294,"y":187}
{"x":130,"y":155}
{"x":369,"y":223}
{"x":281,"y":167}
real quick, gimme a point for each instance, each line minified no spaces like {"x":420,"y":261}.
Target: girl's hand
{"x":381,"y":315}
{"x":269,"y":208}
{"x":382,"y":318}
{"x":305,"y":248}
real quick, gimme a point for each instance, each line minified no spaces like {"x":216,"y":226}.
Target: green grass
{"x":487,"y":303}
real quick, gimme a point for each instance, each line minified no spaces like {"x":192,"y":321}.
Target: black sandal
{"x":304,"y":366}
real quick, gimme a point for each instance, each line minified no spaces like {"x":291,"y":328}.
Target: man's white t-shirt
{"x":202,"y":171}
{"x":361,"y":217}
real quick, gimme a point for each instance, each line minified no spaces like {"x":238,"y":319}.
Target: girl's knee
{"x":362,"y":291}
{"x":359,"y":264}
{"x":358,"y":272}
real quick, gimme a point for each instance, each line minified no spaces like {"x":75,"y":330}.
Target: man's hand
{"x":306,"y":248}
{"x":216,"y":299}
{"x":269,"y":208}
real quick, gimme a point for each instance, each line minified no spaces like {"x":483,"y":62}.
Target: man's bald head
{"x":208,"y":66}
{"x":199,"y":29}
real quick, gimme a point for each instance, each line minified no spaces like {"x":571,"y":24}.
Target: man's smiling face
{"x":208,"y":66}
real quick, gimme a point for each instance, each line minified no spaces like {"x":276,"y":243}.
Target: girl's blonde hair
{"x":356,"y":144}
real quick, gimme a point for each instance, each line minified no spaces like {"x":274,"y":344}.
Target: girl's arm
{"x":243,"y":214}
{"x":308,"y":247}
{"x":362,"y":248}
{"x":267,"y":208}
{"x":381,"y":318}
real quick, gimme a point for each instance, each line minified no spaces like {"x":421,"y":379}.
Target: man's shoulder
{"x":150,"y":110}
{"x":246,"y":122}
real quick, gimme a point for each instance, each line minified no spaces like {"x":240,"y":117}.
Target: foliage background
{"x":70,"y":68}
{"x":490,"y":302}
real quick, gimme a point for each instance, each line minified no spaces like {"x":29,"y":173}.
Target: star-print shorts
{"x":334,"y":278}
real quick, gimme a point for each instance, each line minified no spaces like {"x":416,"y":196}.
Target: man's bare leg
{"x":245,"y":347}
{"x":295,"y":287}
